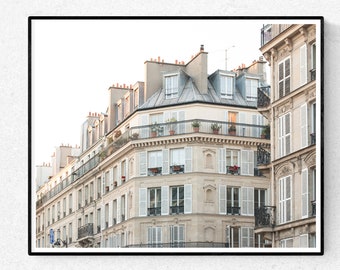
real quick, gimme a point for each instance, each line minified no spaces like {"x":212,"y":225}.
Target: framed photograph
{"x":175,"y":135}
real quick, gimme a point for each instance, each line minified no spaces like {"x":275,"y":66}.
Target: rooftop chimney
{"x":202,"y":48}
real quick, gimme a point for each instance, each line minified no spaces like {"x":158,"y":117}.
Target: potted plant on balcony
{"x":154,"y":129}
{"x":265,"y":132}
{"x":134,"y":136}
{"x":196,"y":125}
{"x":172,"y":125}
{"x":215,"y":128}
{"x":232,"y":130}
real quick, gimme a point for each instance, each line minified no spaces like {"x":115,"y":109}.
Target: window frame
{"x":283,"y":135}
{"x":251,"y":91}
{"x":227,"y":86}
{"x":171,"y":85}
{"x":285,"y":213}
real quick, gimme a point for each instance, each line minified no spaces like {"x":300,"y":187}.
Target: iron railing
{"x":265,"y":216}
{"x":154,"y":211}
{"x":312,"y":138}
{"x":147,"y":132}
{"x":263,"y":97}
{"x":233,"y":210}
{"x":181,"y":245}
{"x":174,"y":210}
{"x":313,"y":203}
{"x":312,"y":74}
{"x":263,"y":156}
{"x":85,"y":231}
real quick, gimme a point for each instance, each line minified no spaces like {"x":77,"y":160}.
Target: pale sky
{"x":74,"y":62}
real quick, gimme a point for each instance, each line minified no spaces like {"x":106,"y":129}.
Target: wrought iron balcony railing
{"x":85,"y":231}
{"x":265,"y":216}
{"x":263,"y":97}
{"x":154,"y":211}
{"x":147,"y":132}
{"x":263,"y":156}
{"x":312,"y":138}
{"x":181,"y":245}
{"x":313,"y":212}
{"x":233,"y":210}
{"x":312,"y":74}
{"x":174,"y":210}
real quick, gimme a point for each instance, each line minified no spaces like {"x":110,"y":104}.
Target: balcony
{"x":85,"y":231}
{"x":312,"y":74}
{"x":162,"y":130}
{"x":175,"y":210}
{"x":154,"y":211}
{"x":263,"y":97}
{"x":265,"y":216}
{"x":155,"y":171}
{"x":233,"y":210}
{"x":85,"y":235}
{"x":175,"y":169}
{"x":312,"y":138}
{"x":313,"y":208}
{"x":263,"y":156}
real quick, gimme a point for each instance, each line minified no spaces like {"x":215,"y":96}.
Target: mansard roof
{"x":189,"y":94}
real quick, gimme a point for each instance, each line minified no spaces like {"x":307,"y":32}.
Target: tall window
{"x":177,"y":235}
{"x":227,"y":86}
{"x":251,"y":89}
{"x":284,"y":77}
{"x":313,"y":123}
{"x":154,"y":236}
{"x":285,"y":199}
{"x":177,"y":200}
{"x":154,"y":201}
{"x":233,"y":200}
{"x":177,"y":156}
{"x":284,"y":135}
{"x":70,"y":203}
{"x":232,"y":237}
{"x":259,"y":198}
{"x":247,"y":237}
{"x":233,"y":158}
{"x":313,"y":61}
{"x":155,"y":162}
{"x":171,"y":86}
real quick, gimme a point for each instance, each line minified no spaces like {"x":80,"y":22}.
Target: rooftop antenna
{"x":226,"y":56}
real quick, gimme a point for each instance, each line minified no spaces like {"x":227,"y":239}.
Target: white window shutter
{"x":126,"y":169}
{"x":188,"y":159}
{"x":304,"y":193}
{"x":303,"y":64}
{"x":304,"y":241}
{"x":251,"y":162}
{"x":119,"y":212}
{"x":142,"y":164}
{"x":165,"y":200}
{"x":144,"y":120}
{"x":150,"y":235}
{"x":222,"y":200}
{"x":247,"y":201}
{"x":288,"y":135}
{"x":165,"y":167}
{"x":159,"y":234}
{"x":110,"y":213}
{"x":251,"y":201}
{"x":143,"y":202}
{"x":222,"y":161}
{"x":102,"y":217}
{"x":304,"y":126}
{"x":244,"y":162}
{"x":187,"y":198}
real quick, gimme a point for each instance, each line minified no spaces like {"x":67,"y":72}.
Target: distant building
{"x":172,"y":163}
{"x":290,"y":107}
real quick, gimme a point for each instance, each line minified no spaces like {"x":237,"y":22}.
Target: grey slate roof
{"x":190,"y":93}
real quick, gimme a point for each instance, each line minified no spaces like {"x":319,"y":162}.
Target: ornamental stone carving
{"x":284,"y":169}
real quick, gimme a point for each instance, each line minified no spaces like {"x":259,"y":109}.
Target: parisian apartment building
{"x":289,"y":106}
{"x":191,"y":159}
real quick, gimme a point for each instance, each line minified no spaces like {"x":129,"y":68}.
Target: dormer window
{"x":171,"y":86}
{"x":227,"y":87}
{"x":251,"y":89}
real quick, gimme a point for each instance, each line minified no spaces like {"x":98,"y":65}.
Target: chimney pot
{"x":202,"y":48}
{"x":176,"y":61}
{"x":159,"y":58}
